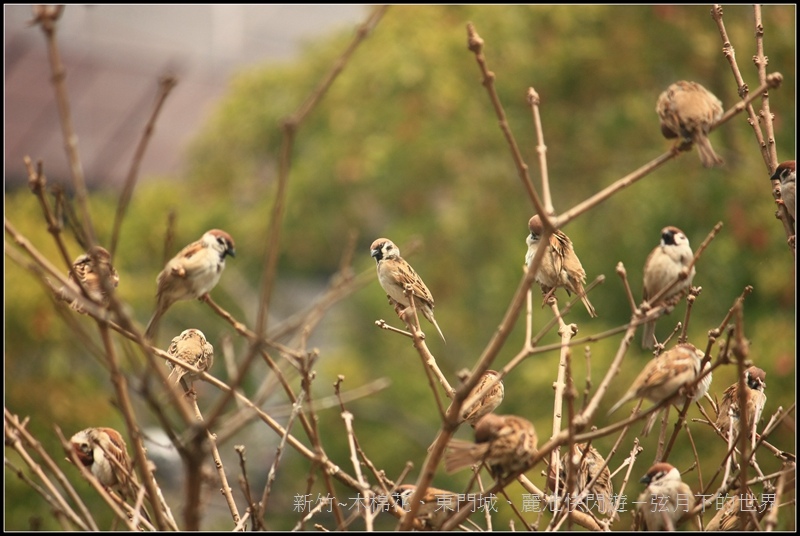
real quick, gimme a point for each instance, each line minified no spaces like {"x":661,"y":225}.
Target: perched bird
{"x":665,"y":500}
{"x":89,"y":275}
{"x":104,"y":453}
{"x":589,"y":462}
{"x":663,"y":376}
{"x":192,"y":348}
{"x":560,"y":266}
{"x":394,"y":273}
{"x":662,"y":267}
{"x":688,"y":110}
{"x":728,"y":517}
{"x":505,"y":443}
{"x":436,"y":505}
{"x":729,"y":411}
{"x":192,"y":273}
{"x":475,"y":408}
{"x":785,"y":173}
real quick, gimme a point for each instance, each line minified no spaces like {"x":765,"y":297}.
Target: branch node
{"x":474,"y":41}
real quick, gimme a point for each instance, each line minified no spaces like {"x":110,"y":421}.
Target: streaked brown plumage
{"x":436,"y":505}
{"x":192,"y":348}
{"x":103,"y":451}
{"x":89,"y":275}
{"x":560,"y":266}
{"x":192,"y":273}
{"x":601,"y":493}
{"x":394,"y":273}
{"x":505,"y":443}
{"x":665,"y":500}
{"x":727,"y":518}
{"x":663,"y":376}
{"x":663,"y":266}
{"x":475,"y":408}
{"x":785,"y":173}
{"x":728,"y":417}
{"x":688,"y":110}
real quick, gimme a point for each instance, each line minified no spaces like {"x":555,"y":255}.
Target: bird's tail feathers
{"x":707,"y":155}
{"x":461,"y":454}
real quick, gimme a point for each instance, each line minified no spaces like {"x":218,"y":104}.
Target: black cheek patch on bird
{"x":85,"y":455}
{"x":667,"y":132}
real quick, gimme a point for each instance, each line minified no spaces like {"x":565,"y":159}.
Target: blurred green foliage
{"x":406,"y":145}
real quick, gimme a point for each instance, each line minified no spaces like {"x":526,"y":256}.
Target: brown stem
{"x":743,"y":90}
{"x":541,"y":150}
{"x":475,"y":45}
{"x":165,"y":87}
{"x":290,"y":127}
{"x":15,"y":435}
{"x":48,"y":18}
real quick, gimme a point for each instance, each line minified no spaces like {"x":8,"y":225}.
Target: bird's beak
{"x":375,"y":253}
{"x":231,"y":252}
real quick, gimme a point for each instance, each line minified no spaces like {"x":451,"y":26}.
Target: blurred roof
{"x":115,"y":55}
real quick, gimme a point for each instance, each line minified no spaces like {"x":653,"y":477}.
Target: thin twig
{"x":729,"y":53}
{"x":120,"y":384}
{"x":15,"y":434}
{"x":290,"y":127}
{"x":347,"y":417}
{"x":262,"y":508}
{"x":475,"y":45}
{"x":47,"y":18}
{"x":165,"y":86}
{"x":623,"y":274}
{"x":225,"y":489}
{"x":541,"y":150}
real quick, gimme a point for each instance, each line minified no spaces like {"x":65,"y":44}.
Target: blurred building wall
{"x":114,"y":56}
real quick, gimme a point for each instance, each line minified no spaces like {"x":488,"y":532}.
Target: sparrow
{"x":700,"y":390}
{"x":688,"y":110}
{"x":728,"y":518}
{"x":475,"y":408}
{"x":394,"y":273}
{"x":560,"y":266}
{"x":192,"y":273}
{"x":665,"y":500}
{"x":436,"y":505}
{"x":589,"y":463}
{"x":663,"y":266}
{"x":192,"y":348}
{"x":785,"y":173}
{"x":104,"y":452}
{"x":505,"y":443}
{"x":85,"y":271}
{"x":663,"y":376}
{"x":728,"y":417}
